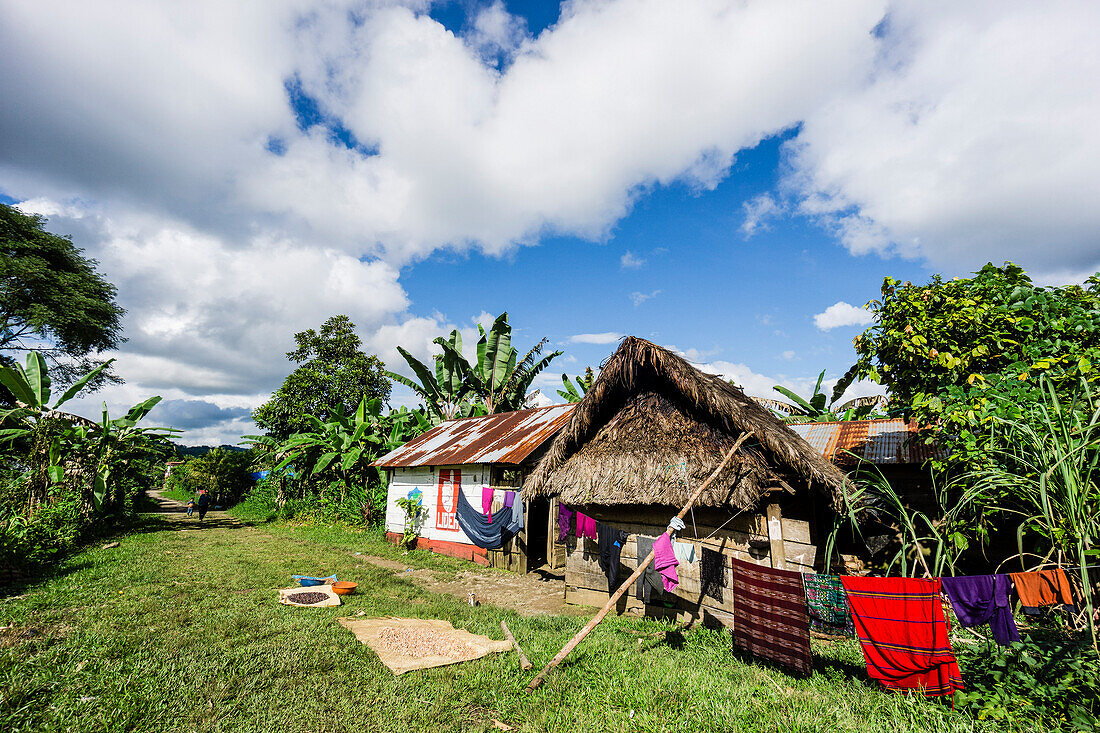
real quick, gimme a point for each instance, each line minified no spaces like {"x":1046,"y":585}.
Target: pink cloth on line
{"x":664,"y":559}
{"x":586,"y":527}
{"x":487,"y":502}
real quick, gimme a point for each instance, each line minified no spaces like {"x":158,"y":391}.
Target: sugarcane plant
{"x":1044,"y":470}
{"x":922,"y":545}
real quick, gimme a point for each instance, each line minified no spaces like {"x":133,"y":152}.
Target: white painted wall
{"x":404,"y":480}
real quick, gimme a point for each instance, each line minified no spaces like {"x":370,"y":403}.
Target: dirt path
{"x":176,"y":511}
{"x":536,"y":593}
{"x":532,"y":594}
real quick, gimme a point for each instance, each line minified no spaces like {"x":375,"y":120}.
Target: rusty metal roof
{"x":507,"y":439}
{"x":882,"y":442}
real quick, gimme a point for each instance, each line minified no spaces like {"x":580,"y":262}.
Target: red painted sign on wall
{"x":446,"y":508}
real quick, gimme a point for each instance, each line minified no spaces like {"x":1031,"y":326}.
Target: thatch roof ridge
{"x":640,"y":367}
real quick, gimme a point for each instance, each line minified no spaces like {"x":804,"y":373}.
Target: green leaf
{"x":798,"y":400}
{"x":323,"y":462}
{"x":351,"y":458}
{"x":16,"y":381}
{"x":38,"y":378}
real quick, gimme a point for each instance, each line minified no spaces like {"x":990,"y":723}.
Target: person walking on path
{"x":190,"y":507}
{"x":204,"y":503}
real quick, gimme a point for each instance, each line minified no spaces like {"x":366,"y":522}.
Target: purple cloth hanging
{"x":487,"y":502}
{"x":983,"y":599}
{"x":565,"y":521}
{"x":509,"y":499}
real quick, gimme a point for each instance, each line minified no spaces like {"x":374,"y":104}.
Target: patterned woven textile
{"x":828,"y":605}
{"x":903,"y":633}
{"x":769,"y":615}
{"x":712,"y":573}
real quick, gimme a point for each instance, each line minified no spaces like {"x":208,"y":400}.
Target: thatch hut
{"x":648,"y":432}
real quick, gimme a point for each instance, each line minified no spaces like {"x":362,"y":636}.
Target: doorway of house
{"x":538,"y":528}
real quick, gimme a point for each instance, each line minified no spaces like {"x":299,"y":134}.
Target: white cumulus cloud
{"x":842,"y":314}
{"x":758,"y":211}
{"x":607,"y":337}
{"x":974,"y":138}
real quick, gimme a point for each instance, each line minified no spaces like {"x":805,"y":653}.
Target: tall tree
{"x":334,"y":373}
{"x":962,"y":353}
{"x":53,"y":300}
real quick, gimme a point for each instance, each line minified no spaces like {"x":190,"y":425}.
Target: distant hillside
{"x":193,"y":451}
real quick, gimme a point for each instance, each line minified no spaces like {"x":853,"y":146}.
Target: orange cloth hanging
{"x":1043,"y":588}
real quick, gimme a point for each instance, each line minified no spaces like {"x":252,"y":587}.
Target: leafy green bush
{"x":259,"y":504}
{"x":1053,"y":683}
{"x":226,"y":474}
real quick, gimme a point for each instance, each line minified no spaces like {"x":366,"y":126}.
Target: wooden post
{"x":642,"y":565}
{"x":524,"y":662}
{"x":775,"y":536}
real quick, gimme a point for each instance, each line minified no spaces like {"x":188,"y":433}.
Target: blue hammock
{"x":489,"y":535}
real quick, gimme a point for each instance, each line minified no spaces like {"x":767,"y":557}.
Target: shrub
{"x":1053,"y":682}
{"x":226,"y":474}
{"x":259,"y":504}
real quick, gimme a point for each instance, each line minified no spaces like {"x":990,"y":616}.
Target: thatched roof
{"x":648,"y":412}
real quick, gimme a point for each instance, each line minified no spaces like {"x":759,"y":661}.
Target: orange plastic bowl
{"x":343,"y":587}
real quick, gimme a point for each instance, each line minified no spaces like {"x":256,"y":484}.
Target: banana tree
{"x":118,"y":442}
{"x":341,"y":449}
{"x":576,"y":393}
{"x":29,"y":387}
{"x":501,"y":380}
{"x":820,"y":408}
{"x":445,"y":392}
{"x":92,"y":452}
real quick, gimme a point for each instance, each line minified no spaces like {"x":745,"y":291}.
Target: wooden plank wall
{"x":513,"y":556}
{"x":747,"y":537}
{"x":556,"y":551}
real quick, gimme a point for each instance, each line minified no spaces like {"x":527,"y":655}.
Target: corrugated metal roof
{"x":507,"y":438}
{"x":882,"y":442}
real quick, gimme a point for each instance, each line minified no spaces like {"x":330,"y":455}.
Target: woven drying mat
{"x":286,"y":595}
{"x":405,"y":644}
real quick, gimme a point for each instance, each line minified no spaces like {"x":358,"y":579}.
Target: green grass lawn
{"x":180,"y":631}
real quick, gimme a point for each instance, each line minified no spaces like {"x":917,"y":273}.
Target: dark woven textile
{"x":649,"y":588}
{"x":828,"y":605}
{"x":712,"y":573}
{"x":490,"y":535}
{"x":770,"y":620}
{"x":611,"y":547}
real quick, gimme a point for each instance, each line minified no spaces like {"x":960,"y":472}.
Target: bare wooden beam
{"x":524,"y":663}
{"x":642,"y":565}
{"x":775,"y":537}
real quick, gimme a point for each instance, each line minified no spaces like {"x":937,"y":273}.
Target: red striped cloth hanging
{"x":903,"y":632}
{"x":770,"y":620}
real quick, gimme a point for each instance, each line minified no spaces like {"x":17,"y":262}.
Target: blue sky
{"x":731,"y":179}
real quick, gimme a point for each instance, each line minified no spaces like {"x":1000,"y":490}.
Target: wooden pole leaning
{"x":524,"y":663}
{"x":569,"y":647}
